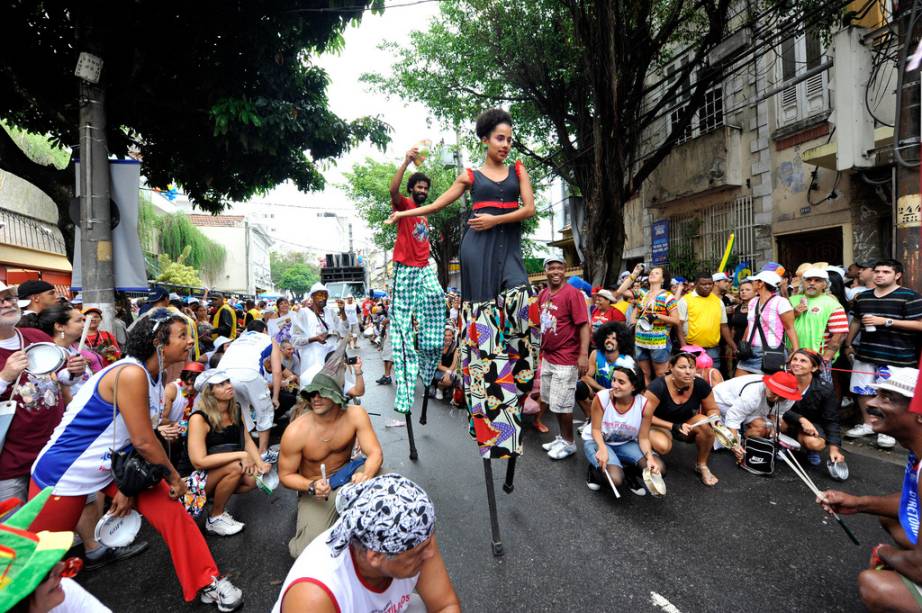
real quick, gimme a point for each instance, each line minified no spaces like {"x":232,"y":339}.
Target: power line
{"x":360,"y":8}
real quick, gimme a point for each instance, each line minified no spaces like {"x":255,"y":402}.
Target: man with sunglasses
{"x":316,"y":453}
{"x":310,"y":333}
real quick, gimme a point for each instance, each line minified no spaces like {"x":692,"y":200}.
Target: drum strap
{"x":13,"y":388}
{"x":777,"y":413}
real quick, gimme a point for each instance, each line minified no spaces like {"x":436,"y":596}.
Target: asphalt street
{"x":751,"y":543}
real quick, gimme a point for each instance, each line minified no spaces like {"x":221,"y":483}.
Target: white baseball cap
{"x":219,"y":342}
{"x":318,"y":287}
{"x":768,"y":277}
{"x":902,"y":380}
{"x":212,"y":376}
{"x":720,"y":276}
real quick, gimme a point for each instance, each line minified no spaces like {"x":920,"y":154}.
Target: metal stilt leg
{"x":413,"y":454}
{"x":422,"y":412}
{"x":491,"y":501}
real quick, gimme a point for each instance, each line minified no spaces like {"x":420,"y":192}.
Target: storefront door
{"x":816,"y":246}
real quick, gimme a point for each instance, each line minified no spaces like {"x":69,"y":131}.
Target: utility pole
{"x":906,"y":142}
{"x":96,"y":272}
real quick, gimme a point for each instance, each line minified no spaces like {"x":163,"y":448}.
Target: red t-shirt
{"x":600,"y":317}
{"x":561,"y":316}
{"x":412,"y":246}
{"x":34,"y":420}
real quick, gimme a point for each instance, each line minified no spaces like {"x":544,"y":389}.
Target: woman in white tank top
{"x":615,"y":441}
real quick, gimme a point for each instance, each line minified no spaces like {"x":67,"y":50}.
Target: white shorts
{"x":864,"y":375}
{"x":558,"y":386}
{"x":255,"y":402}
{"x":387,"y":349}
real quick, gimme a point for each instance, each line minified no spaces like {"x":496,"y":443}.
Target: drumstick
{"x":86,"y":330}
{"x":710,"y":419}
{"x":799,"y":471}
{"x":323,"y":475}
{"x":611,"y":483}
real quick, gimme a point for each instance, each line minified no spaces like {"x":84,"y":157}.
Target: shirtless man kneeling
{"x":325,"y":434}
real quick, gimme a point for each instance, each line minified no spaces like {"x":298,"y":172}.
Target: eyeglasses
{"x":10,"y":299}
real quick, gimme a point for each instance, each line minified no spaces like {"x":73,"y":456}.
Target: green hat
{"x":329,"y":382}
{"x":326,"y":386}
{"x":26,"y":557}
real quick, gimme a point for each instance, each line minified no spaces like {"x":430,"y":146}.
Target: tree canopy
{"x":280,"y":263}
{"x":584,"y":82}
{"x":223,"y":99}
{"x":299,"y":278}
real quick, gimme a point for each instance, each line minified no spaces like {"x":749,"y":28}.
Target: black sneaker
{"x":383,"y":381}
{"x":592,"y":479}
{"x":633,"y":482}
{"x":115,"y":554}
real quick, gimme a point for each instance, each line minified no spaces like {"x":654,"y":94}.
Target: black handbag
{"x":760,"y":456}
{"x":773,"y":358}
{"x":132,"y":473}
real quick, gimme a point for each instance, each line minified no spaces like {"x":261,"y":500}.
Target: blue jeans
{"x":628,"y":452}
{"x":657,"y":356}
{"x":714,"y":352}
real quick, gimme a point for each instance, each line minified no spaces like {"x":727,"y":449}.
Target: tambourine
{"x":45,"y":358}
{"x":788,"y":443}
{"x":725,"y":436}
{"x":655,"y":483}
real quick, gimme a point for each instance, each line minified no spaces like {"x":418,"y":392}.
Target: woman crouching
{"x":225,"y":459}
{"x":619,"y":439}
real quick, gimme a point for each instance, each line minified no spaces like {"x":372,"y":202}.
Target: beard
{"x":10,"y":318}
{"x":419,"y":198}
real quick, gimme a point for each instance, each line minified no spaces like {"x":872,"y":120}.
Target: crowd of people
{"x":172,"y":411}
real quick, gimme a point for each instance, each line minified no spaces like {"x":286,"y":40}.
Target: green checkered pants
{"x":416,"y":294}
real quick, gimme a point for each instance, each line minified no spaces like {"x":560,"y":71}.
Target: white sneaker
{"x":859,"y":431}
{"x":269,"y":456}
{"x":554,"y":443}
{"x":222,"y":527}
{"x":438,"y":394}
{"x":562,"y":451}
{"x":223,"y":593}
{"x":229,"y":518}
{"x":887,"y":442}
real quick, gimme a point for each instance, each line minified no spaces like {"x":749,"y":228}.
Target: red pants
{"x":191,"y":558}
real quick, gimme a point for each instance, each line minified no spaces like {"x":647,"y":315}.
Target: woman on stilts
{"x":499,"y":342}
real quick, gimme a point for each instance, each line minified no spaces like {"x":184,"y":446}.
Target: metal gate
{"x":702,"y":235}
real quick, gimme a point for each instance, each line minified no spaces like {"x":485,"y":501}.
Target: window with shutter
{"x":809,"y":97}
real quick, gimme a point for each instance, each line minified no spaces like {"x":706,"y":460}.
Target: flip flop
{"x":540,"y":427}
{"x":704,"y":472}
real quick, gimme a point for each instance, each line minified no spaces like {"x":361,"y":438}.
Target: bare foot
{"x":707,"y":477}
{"x":540,"y":427}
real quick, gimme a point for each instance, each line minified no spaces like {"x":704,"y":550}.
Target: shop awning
{"x":825,"y":155}
{"x":12,"y":255}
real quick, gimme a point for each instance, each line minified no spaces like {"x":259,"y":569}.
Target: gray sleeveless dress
{"x":491,"y":261}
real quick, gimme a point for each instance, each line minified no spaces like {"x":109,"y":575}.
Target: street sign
{"x":660,"y":241}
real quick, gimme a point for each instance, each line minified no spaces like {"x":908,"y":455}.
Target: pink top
{"x":771,"y":320}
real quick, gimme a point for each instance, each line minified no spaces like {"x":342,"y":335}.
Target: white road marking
{"x":660,"y":601}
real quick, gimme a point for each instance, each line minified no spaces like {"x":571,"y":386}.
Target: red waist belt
{"x":495,"y":205}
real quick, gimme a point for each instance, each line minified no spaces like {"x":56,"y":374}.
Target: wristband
{"x":311,"y":490}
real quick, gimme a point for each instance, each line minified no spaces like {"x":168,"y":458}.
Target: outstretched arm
{"x":450,"y":195}
{"x":398,"y":176}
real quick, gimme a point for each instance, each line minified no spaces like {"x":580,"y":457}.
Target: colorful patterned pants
{"x":417,"y":294}
{"x":499,"y":347}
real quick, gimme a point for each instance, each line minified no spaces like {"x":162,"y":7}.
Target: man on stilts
{"x":416,"y":295}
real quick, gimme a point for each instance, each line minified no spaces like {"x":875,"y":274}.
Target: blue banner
{"x":660,"y":241}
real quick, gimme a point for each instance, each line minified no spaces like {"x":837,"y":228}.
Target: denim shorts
{"x":657,"y":356}
{"x":617,"y":454}
{"x":753,"y":364}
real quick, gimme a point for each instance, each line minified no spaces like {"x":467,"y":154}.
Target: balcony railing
{"x":24,"y":231}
